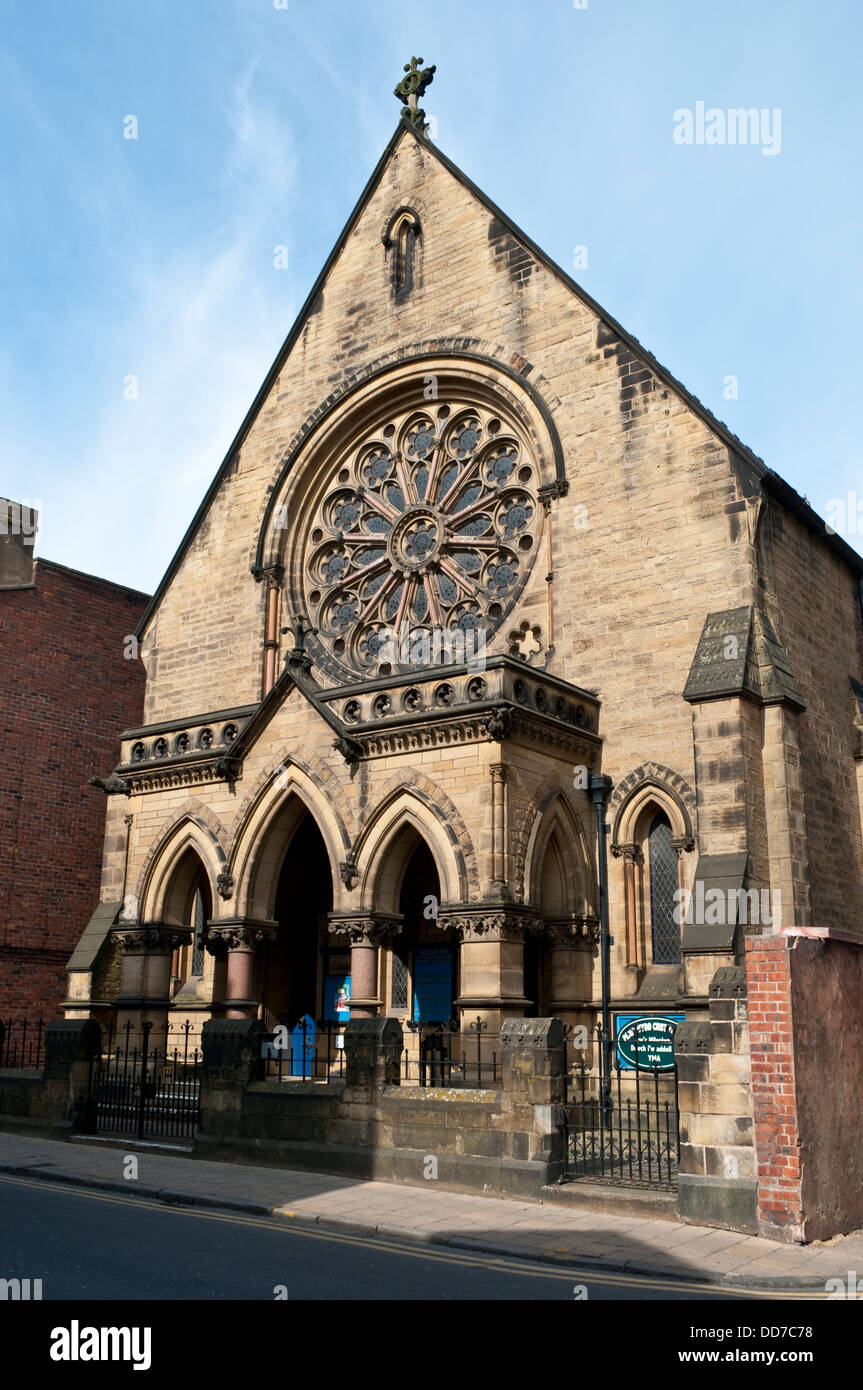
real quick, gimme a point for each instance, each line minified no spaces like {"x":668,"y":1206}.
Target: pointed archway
{"x":296,"y":963}
{"x":421,"y":967}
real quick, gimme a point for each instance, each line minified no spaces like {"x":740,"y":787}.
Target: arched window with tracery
{"x":665,"y":929}
{"x":423,"y":539}
{"x":652,"y":835}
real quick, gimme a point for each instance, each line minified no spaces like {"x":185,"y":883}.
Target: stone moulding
{"x":483,"y":726}
{"x":166,"y":776}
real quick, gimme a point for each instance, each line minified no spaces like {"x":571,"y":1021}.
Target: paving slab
{"x":557,"y":1232}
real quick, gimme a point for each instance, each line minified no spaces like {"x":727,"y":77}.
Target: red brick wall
{"x":806,"y":1043}
{"x":774,"y":1103}
{"x":66,"y":692}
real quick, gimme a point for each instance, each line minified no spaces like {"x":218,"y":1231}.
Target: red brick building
{"x":66,"y":691}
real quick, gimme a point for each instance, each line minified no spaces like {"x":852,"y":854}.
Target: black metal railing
{"x":22,"y":1043}
{"x":305,"y":1053}
{"x":445,"y":1054}
{"x":626,"y":1130}
{"x":147,"y":1083}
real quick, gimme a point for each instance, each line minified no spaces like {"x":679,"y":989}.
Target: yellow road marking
{"x":439,"y":1254}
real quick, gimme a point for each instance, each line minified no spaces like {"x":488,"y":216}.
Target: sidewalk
{"x":581,"y":1237}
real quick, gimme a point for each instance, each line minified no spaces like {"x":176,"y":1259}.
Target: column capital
{"x":487,"y":923}
{"x":150,"y":937}
{"x":629,"y":853}
{"x":364,"y":929}
{"x":682,"y":844}
{"x":238,"y":934}
{"x":574,"y":930}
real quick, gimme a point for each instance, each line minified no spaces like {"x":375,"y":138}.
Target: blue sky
{"x":259,"y":126}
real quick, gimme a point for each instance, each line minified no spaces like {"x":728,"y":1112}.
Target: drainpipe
{"x":600,"y":791}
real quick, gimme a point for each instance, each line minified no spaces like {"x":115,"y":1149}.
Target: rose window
{"x":423,"y":540}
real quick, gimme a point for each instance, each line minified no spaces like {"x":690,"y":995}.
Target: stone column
{"x":365,"y":933}
{"x":273,"y":578}
{"x":239,"y":939}
{"x":498,"y":828}
{"x":145,"y":971}
{"x":630,"y":854}
{"x":491,"y":958}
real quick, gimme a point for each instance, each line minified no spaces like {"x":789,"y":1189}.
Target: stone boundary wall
{"x":717,"y":1183}
{"x":507,"y":1141}
{"x":54,"y":1100}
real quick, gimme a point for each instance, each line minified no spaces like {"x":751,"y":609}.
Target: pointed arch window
{"x":663,"y":884}
{"x":199,"y":921}
{"x":400,"y":239}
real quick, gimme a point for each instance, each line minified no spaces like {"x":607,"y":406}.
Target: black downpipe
{"x":600,"y":791}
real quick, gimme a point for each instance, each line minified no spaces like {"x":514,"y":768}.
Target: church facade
{"x":477,"y":577}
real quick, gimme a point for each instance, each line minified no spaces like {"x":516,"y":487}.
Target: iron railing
{"x":22,"y":1043}
{"x":147,"y":1090}
{"x":447,"y":1055}
{"x":307,"y":1054}
{"x":626,"y":1131}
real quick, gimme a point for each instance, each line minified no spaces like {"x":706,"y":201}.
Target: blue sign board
{"x":337,"y":994}
{"x":433,"y":981}
{"x":646,"y":1040}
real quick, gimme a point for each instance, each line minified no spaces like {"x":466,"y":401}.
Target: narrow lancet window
{"x":400,"y":240}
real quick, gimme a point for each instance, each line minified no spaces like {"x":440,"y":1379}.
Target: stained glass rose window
{"x":423,"y":540}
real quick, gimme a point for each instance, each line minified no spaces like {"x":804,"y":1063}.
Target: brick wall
{"x":774,"y":1101}
{"x":66,"y":692}
{"x":806,"y":1039}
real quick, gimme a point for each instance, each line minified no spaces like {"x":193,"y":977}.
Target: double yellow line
{"x":437,"y":1254}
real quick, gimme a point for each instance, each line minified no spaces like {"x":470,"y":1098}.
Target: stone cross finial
{"x":411,"y":88}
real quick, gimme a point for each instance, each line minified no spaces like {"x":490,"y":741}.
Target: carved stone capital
{"x":273,"y":574}
{"x":365,"y":930}
{"x":575,"y":930}
{"x":486,"y":924}
{"x":238,"y":935}
{"x":683,"y":844}
{"x":150,"y":937}
{"x":550,"y":492}
{"x":629,"y":853}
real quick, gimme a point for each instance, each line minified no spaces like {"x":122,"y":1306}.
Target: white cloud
{"x":201,"y":331}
